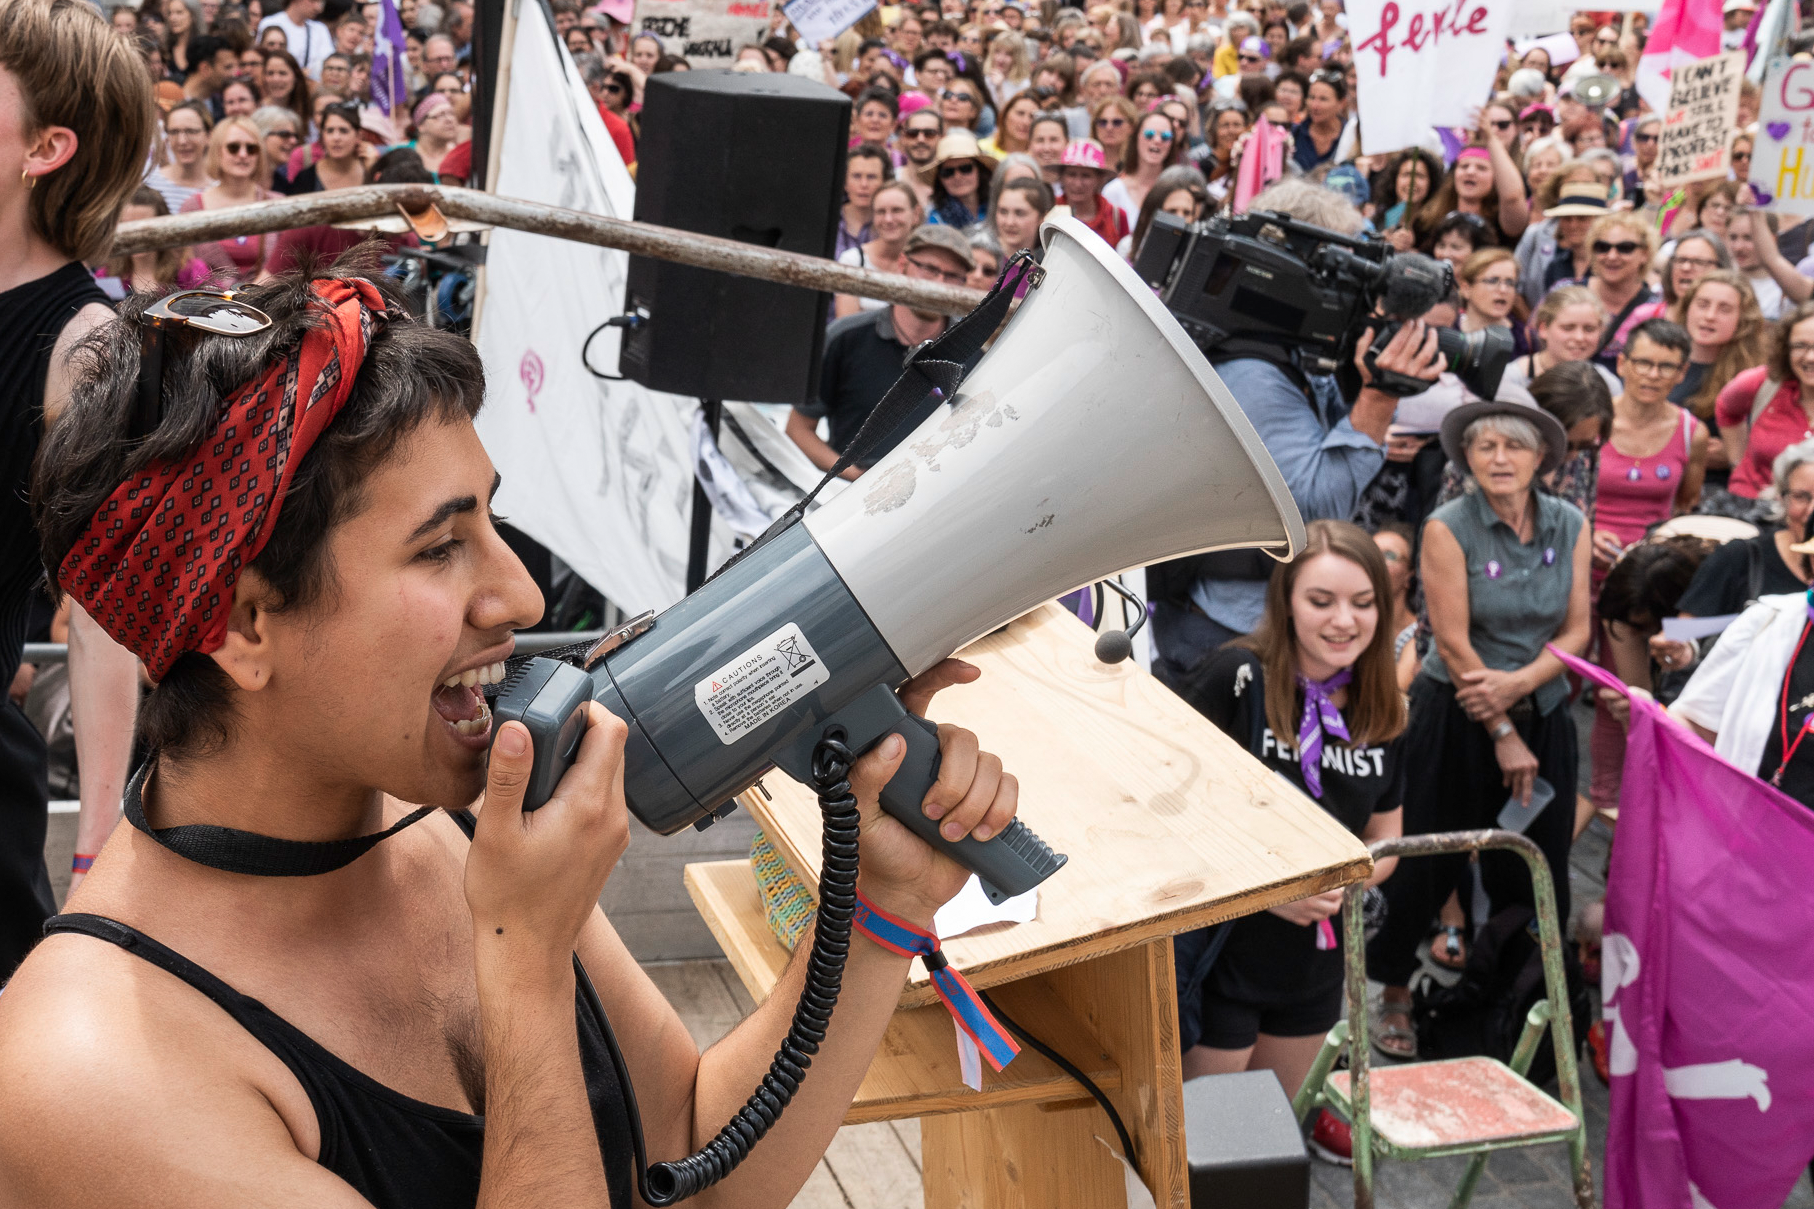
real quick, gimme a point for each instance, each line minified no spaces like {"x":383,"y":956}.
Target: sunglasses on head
{"x":951,"y":170}
{"x":1624,"y":247}
{"x":212,"y":311}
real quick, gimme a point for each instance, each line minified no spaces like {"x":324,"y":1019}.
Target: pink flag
{"x":1685,"y":30}
{"x":1708,"y":977}
{"x":1261,"y":163}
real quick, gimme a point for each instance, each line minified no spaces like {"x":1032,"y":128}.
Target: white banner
{"x":822,"y":20}
{"x":1782,"y":162}
{"x":1421,"y":67}
{"x":598,"y":471}
{"x":706,"y":33}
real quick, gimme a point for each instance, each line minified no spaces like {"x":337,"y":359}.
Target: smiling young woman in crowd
{"x":893,"y":214}
{"x":236,"y":159}
{"x":341,"y":165}
{"x":184,"y":172}
{"x":1020,"y":206}
{"x":1181,"y":192}
{"x":1154,"y":148}
{"x":1728,"y":332}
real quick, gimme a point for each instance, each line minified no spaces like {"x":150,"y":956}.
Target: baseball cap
{"x":943,"y":239}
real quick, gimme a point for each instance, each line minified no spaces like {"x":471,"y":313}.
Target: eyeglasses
{"x":923,"y":132}
{"x":1643,"y":138}
{"x":1624,"y":247}
{"x":934,"y":271}
{"x":1741,"y":155}
{"x":240,"y":148}
{"x":1798,"y":350}
{"x":1248,"y":58}
{"x":1112,"y":123}
{"x":1653,"y":369}
{"x":1164,"y":136}
{"x":1801,"y":499}
{"x":212,"y":311}
{"x":288,"y":136}
{"x":950,"y":170}
{"x":1503,"y":124}
{"x":1499,"y":283}
{"x":956,"y":94}
{"x":1697,"y":262}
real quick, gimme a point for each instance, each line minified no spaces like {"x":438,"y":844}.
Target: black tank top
{"x":32,"y":316}
{"x":398,"y":1153}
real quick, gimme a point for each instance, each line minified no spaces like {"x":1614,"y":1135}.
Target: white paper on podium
{"x":1687,"y":629}
{"x":971,"y":909}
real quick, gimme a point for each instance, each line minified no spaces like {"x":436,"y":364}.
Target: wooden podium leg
{"x":1029,"y":1155}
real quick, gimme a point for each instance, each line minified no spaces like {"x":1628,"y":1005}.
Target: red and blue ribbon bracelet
{"x":960,"y":998}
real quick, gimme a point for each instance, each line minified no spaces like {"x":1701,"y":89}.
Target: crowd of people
{"x":1648,"y":453}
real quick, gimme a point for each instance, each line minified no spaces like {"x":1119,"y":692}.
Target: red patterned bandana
{"x":157,"y":564}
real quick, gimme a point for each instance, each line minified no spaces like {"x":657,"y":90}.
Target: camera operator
{"x":1327,"y":447}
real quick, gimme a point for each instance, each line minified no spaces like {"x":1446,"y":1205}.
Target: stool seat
{"x":1459,"y":1103}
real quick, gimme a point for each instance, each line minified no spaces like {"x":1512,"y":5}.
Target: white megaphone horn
{"x":1092,"y":438}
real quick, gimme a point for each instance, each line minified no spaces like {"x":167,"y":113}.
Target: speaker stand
{"x":701,"y":536}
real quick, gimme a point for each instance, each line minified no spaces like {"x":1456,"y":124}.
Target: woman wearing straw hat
{"x":960,"y":181}
{"x":1577,"y":205}
{"x":1084,"y":170}
{"x":1505,"y":572}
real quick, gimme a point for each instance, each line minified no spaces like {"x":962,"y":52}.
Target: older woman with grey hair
{"x":1505,"y":571}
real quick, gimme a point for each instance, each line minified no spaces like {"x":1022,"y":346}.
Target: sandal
{"x":1448,"y":949}
{"x":1394,"y":1040}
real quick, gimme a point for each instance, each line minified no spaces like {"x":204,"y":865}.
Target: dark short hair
{"x":203,"y":48}
{"x":871,"y":151}
{"x":880,"y":96}
{"x":1574,"y":391}
{"x":1647,"y":583}
{"x":411,"y":373}
{"x":1295,"y":50}
{"x":1663,"y":333}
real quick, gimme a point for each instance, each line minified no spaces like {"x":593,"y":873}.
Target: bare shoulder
{"x":113,"y":1069}
{"x":61,"y":377}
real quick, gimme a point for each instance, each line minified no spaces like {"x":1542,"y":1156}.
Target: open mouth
{"x":460,"y":700}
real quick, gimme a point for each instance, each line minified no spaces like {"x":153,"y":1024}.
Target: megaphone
{"x":1093,"y":437}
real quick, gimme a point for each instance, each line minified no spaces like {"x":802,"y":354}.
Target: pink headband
{"x":1469,"y":153}
{"x":429,"y":104}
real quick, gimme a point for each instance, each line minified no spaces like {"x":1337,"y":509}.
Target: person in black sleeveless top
{"x":399,"y":1024}
{"x":71,"y":152}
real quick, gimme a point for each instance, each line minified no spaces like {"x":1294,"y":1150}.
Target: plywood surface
{"x":1169,"y":824}
{"x":915,"y":1072}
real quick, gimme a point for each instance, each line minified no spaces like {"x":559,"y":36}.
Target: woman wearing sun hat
{"x":1505,"y":571}
{"x":960,"y":181}
{"x":1577,"y":205}
{"x":1084,"y":170}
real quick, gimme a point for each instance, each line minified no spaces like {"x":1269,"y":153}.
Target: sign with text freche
{"x":1782,"y":162}
{"x":1703,"y":112}
{"x":706,"y":33}
{"x":1423,"y":63}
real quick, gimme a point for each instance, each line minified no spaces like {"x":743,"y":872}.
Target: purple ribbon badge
{"x":1634,"y":474}
{"x":1663,"y":472}
{"x":1549,"y":556}
{"x":1494,"y":569}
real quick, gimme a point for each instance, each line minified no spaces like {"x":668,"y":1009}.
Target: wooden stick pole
{"x":642,"y":239}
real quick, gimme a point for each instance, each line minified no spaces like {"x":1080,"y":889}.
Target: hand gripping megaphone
{"x":1092,"y":437}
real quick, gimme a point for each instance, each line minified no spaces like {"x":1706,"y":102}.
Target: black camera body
{"x":1262,"y":284}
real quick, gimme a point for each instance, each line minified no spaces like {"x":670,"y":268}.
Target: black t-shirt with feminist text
{"x":1268,"y":959}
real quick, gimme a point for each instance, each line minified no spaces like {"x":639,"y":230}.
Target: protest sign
{"x":822,"y":20}
{"x":1782,"y":162}
{"x":1423,"y":64}
{"x":706,"y":33}
{"x":1698,"y":125}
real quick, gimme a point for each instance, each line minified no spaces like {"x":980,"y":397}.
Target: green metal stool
{"x":1425,"y":1110}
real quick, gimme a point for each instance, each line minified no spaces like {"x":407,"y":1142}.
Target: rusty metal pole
{"x":641,"y":239}
{"x":1360,"y":1040}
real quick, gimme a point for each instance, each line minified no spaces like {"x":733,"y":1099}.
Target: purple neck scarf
{"x":1320,"y":715}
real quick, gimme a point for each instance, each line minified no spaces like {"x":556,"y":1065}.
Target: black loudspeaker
{"x":753,"y":157}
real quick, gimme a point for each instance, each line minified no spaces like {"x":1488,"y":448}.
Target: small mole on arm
{"x":500,"y":931}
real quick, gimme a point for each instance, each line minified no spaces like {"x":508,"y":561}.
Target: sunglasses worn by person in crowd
{"x":213,"y":311}
{"x":938,"y":274}
{"x":951,"y":170}
{"x":1624,"y":247}
{"x":238,"y":148}
{"x":1164,"y":136}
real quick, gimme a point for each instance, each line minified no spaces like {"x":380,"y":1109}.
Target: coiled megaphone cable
{"x":666,"y":1183}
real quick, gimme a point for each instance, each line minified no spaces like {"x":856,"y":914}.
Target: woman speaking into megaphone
{"x":281,"y":982}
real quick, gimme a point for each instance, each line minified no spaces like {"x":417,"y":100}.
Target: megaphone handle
{"x":1007,"y":864}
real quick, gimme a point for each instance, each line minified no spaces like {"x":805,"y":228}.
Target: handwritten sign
{"x":706,"y":33}
{"x":1703,"y":112}
{"x":1423,"y":63}
{"x":1782,"y":162}
{"x":822,"y":20}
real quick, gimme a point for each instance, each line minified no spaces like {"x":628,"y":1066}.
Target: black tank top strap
{"x":158,"y":954}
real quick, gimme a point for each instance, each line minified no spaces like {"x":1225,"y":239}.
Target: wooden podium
{"x":1169,"y":825}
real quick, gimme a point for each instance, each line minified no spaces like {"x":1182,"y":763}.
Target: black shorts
{"x":1224,"y":1023}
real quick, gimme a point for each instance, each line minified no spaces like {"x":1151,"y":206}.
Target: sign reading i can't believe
{"x":706,"y":33}
{"x":1782,"y":162}
{"x":1703,"y":110}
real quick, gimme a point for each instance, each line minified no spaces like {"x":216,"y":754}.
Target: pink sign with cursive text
{"x":1422,"y":64}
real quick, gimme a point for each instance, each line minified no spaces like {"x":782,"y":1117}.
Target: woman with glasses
{"x":1488,"y":283}
{"x":282,"y":82}
{"x":894,"y":212}
{"x":1620,"y":246}
{"x":236,"y":159}
{"x":1154,"y":148}
{"x":437,"y":131}
{"x":342,"y":164}
{"x":1316,"y":139}
{"x":961,"y":105}
{"x":184,"y":172}
{"x":1646,"y":135}
{"x":960,"y":181}
{"x":1015,"y":130}
{"x":1112,"y":126}
{"x":1653,"y":466}
{"x":1765,"y":410}
{"x":1499,"y":119}
{"x":282,"y":131}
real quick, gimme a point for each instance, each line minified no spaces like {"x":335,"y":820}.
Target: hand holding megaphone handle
{"x":1011,"y":863}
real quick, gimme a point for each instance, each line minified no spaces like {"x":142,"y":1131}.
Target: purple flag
{"x":1708,"y":977}
{"x":390,"y":85}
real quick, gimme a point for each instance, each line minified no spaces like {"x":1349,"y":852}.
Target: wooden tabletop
{"x":1169,"y":824}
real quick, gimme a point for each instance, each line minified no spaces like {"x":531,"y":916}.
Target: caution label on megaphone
{"x":760,"y":683}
